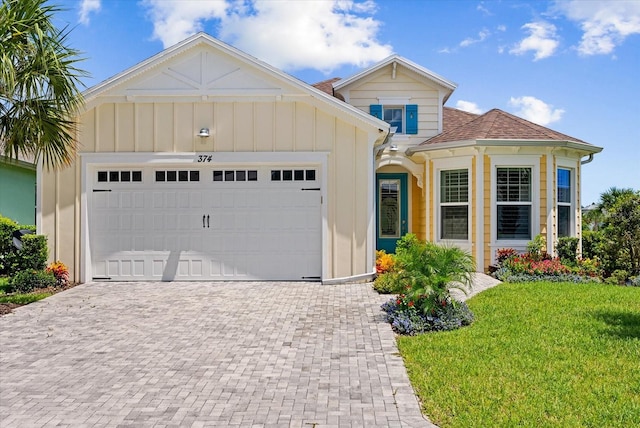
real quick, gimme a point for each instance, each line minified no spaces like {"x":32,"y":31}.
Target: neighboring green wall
{"x":18,"y":192}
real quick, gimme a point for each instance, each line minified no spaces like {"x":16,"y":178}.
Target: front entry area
{"x":391,"y":210}
{"x":205,"y":223}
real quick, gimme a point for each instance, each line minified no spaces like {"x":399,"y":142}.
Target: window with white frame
{"x":564,"y":198}
{"x":454,"y":204}
{"x":514,"y":203}
{"x":393,"y":115}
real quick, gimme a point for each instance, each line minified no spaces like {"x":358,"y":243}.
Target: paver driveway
{"x":204,"y":354}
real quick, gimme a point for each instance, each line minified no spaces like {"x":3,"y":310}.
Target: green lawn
{"x":538,"y":354}
{"x":19,"y":299}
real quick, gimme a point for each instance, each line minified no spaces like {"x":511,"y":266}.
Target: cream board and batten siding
{"x":236,"y":127}
{"x":380,"y":86}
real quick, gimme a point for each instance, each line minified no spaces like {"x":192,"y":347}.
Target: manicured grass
{"x":19,"y":299}
{"x":538,"y":355}
{"x":4,"y":284}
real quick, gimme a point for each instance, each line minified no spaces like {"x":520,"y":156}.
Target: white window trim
{"x":510,"y":161}
{"x":572,"y":166}
{"x":439,"y":165}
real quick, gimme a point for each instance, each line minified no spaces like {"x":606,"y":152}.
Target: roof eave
{"x":451,"y":86}
{"x":166,"y":54}
{"x":574,"y":145}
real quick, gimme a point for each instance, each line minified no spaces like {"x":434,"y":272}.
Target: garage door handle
{"x":203,"y":220}
{"x":207,"y":221}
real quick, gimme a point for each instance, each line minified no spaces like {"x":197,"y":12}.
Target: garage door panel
{"x":206,"y":230}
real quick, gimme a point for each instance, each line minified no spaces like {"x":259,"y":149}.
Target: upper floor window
{"x":402,"y":117}
{"x":514,"y":203}
{"x":564,"y":200}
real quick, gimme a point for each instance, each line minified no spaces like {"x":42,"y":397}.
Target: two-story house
{"x":204,"y":163}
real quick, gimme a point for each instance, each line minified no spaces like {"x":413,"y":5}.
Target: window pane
{"x":393,"y":116}
{"x":217,"y":175}
{"x":564,"y":220}
{"x":125,"y":175}
{"x":513,"y":184}
{"x":275,"y":175}
{"x":183,"y":175}
{"x":194,"y":175}
{"x":310,"y":175}
{"x":102,"y":176}
{"x":454,"y":222}
{"x":160,"y":175}
{"x":454,"y":186}
{"x":252,"y":175}
{"x":298,"y":175}
{"x":564,"y":185}
{"x":287,"y":175}
{"x":514,"y":222}
{"x":389,"y":206}
{"x":229,"y":175}
{"x":241,"y":175}
{"x":171,"y":175}
{"x":136,"y":176}
{"x":114,"y":176}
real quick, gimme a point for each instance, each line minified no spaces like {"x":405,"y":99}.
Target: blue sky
{"x":573,"y":66}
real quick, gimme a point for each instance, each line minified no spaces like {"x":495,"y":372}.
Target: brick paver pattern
{"x":259,"y":354}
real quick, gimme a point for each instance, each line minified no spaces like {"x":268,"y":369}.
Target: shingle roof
{"x":326,"y":85}
{"x":493,"y":125}
{"x":452,"y":118}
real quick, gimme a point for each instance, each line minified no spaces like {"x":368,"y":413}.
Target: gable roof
{"x":291,"y":85}
{"x":497,"y":127}
{"x":447,"y":85}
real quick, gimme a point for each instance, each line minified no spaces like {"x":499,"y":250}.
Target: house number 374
{"x":204,"y":158}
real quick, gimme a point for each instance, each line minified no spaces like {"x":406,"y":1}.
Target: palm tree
{"x":427,"y":271}
{"x":39,"y":95}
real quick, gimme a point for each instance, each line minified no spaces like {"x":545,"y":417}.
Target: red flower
{"x":411,"y":304}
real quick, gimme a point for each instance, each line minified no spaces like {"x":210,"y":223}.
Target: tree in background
{"x":615,"y":242}
{"x":39,"y":85}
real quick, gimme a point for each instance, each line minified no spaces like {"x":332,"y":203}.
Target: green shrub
{"x":28,"y":280}
{"x":385,"y":283}
{"x":567,"y":249}
{"x":537,"y":247}
{"x":34,"y":252}
{"x":618,"y":277}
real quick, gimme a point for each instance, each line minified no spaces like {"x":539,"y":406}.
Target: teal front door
{"x":391,"y":210}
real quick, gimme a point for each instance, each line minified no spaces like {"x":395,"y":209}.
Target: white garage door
{"x":163,"y":223}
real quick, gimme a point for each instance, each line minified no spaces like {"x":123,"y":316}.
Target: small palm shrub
{"x":28,"y":280}
{"x":422,"y":275}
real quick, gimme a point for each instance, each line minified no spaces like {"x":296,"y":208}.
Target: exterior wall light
{"x":204,"y":133}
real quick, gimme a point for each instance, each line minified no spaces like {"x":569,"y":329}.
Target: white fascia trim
{"x":440,"y":146}
{"x":365,"y":277}
{"x":404,"y":62}
{"x":587,"y":148}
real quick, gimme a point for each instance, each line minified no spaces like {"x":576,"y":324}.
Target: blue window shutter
{"x":376,"y":110}
{"x":411,"y":110}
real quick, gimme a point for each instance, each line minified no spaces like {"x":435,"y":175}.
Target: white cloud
{"x":469,"y":106}
{"x":86,"y":8}
{"x":501,"y":28}
{"x":175,"y":20}
{"x":481,"y":8}
{"x":535,"y":110}
{"x":291,"y":35}
{"x":542,"y":40}
{"x":482,"y":35}
{"x":605,"y":23}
